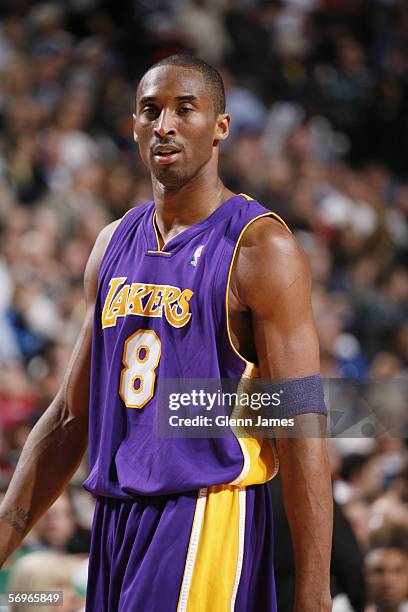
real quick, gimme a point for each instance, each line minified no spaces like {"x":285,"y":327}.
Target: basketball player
{"x":200,"y":283}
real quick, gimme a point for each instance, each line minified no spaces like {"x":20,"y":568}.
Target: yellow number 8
{"x":141,"y":356}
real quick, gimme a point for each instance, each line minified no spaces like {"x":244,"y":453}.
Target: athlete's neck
{"x":177,"y":209}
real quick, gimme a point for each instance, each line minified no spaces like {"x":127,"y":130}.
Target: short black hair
{"x":211,"y":76}
{"x":389,"y":535}
{"x":352,"y":464}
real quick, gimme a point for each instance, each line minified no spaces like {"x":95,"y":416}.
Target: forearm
{"x":306,"y":488}
{"x":51,"y":455}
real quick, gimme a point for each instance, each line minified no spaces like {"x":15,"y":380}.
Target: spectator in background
{"x":361,"y":476}
{"x":386,"y":568}
{"x":58,"y":529}
{"x":46,"y":571}
{"x":318,"y":91}
{"x":203,"y":29}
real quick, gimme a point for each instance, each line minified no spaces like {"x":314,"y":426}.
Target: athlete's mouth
{"x":165,"y":151}
{"x":165,"y":154}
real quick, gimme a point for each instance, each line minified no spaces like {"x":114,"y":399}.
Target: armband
{"x":295,"y":396}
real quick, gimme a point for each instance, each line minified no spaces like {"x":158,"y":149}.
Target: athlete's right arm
{"x":57,"y":443}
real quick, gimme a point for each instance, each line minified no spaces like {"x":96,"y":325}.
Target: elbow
{"x":70,"y":422}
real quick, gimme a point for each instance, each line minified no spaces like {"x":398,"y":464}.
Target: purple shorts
{"x":205,"y":552}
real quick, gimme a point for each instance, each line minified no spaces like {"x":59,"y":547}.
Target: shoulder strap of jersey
{"x":128,"y":220}
{"x":249,"y":211}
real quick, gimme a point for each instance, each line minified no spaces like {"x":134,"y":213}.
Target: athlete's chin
{"x":169,"y":177}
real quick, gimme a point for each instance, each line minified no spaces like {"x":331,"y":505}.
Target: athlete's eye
{"x":150,"y":111}
{"x":184,"y":109}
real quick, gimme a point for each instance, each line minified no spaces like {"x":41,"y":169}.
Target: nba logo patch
{"x":196,"y":256}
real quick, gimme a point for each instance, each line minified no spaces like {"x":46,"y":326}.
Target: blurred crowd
{"x":318,"y":92}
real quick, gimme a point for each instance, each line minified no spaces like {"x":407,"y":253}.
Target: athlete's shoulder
{"x":270,"y":255}
{"x":106,"y":234}
{"x":268,"y":234}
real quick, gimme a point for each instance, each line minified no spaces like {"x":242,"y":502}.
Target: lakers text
{"x":144,"y":300}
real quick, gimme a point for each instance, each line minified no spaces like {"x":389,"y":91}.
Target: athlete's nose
{"x":165,"y":124}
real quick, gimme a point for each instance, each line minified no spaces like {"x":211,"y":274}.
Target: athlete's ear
{"x":134,"y":128}
{"x":221,"y":131}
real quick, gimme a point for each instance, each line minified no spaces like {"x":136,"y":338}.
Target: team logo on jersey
{"x":146,"y":301}
{"x":196,"y":256}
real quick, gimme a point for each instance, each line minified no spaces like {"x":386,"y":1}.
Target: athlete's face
{"x":175,"y":124}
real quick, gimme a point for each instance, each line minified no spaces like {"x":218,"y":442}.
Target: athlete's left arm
{"x":272,"y":279}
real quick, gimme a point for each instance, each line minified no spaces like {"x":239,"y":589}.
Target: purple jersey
{"x":162,"y":314}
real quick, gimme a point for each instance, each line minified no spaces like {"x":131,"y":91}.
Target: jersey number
{"x":141,"y":357}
